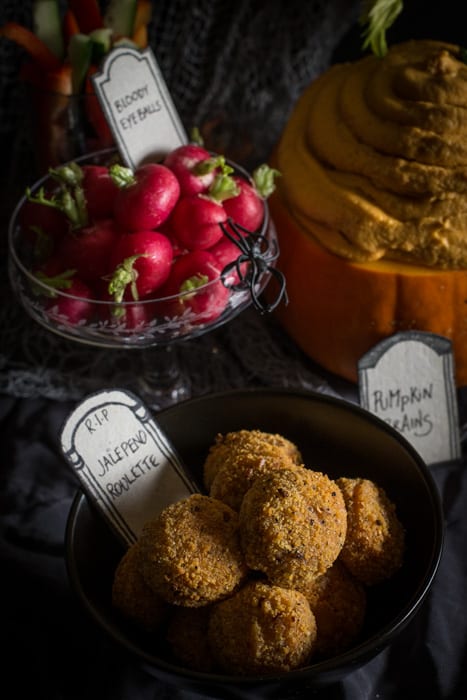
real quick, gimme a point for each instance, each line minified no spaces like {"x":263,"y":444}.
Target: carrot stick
{"x":142,"y":19}
{"x":59,"y":81}
{"x":140,"y":36}
{"x":35,"y":47}
{"x":87,"y":13}
{"x":143,"y":14}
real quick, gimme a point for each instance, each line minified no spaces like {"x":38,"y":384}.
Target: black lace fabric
{"x":234,"y":71}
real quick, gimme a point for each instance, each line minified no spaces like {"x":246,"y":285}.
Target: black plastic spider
{"x":260,"y":254}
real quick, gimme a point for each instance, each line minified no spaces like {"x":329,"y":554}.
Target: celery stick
{"x":101,"y":43}
{"x":79,"y":54}
{"x":120,"y":17}
{"x":47,"y":25}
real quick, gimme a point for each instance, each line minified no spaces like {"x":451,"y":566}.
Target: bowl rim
{"x":358,"y":654}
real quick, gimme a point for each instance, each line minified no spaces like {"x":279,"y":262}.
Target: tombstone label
{"x":138,"y":106}
{"x":407,"y":380}
{"x":123,"y":460}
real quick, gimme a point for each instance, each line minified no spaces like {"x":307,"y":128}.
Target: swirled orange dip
{"x":371,"y":208}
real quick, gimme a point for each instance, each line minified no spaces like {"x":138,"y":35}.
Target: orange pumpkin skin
{"x":338,"y":310}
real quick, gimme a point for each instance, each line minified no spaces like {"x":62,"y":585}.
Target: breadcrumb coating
{"x":262,"y":629}
{"x":235,"y":458}
{"x":292,"y":525}
{"x":338,"y":602}
{"x":374,"y":546}
{"x":131,"y":595}
{"x":190,"y":553}
{"x":267,"y":570}
{"x":187,"y":635}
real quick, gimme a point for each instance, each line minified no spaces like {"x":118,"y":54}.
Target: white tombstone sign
{"x":407,"y":380}
{"x":138,"y":106}
{"x":123,"y":460}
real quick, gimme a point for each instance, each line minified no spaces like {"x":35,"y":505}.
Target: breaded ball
{"x":374,"y":545}
{"x":240,"y":457}
{"x":190,"y":553}
{"x":262,"y":629}
{"x":255,"y":439}
{"x":338,"y":602}
{"x":292,"y":525}
{"x":187,"y":635}
{"x":132,"y":597}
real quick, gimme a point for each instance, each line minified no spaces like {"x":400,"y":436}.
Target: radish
{"x":43,"y":227}
{"x":194,"y":167}
{"x":226,"y":252}
{"x":195,"y":222}
{"x":99,"y":191}
{"x":146,"y":197}
{"x":36,"y":216}
{"x":76,"y":308}
{"x":74,"y":305}
{"x":247,"y":207}
{"x":88,"y":249}
{"x":141,"y":263}
{"x":132,"y":317}
{"x":68,"y":199}
{"x":188,"y":277}
{"x":196,"y":219}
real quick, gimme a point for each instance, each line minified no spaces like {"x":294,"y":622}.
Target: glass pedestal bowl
{"x":150,"y":325}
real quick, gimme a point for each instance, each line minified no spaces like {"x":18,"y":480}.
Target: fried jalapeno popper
{"x":190,"y":553}
{"x":265,"y":574}
{"x":292,"y":525}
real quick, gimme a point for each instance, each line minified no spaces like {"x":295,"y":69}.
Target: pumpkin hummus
{"x":371,"y":208}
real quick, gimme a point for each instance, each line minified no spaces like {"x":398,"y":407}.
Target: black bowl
{"x":334,"y":436}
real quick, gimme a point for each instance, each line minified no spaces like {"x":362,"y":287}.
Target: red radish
{"x":226,"y":252}
{"x":195,"y":222}
{"x":133,"y":317}
{"x":141,"y":262}
{"x":146,"y":197}
{"x":194,"y":167}
{"x":70,"y":197}
{"x":166,"y":229}
{"x":53,"y":269}
{"x":42,"y":227}
{"x":62,"y":207}
{"x":99,"y":190}
{"x":88,"y":250}
{"x":189,"y":274}
{"x":76,"y":308}
{"x":196,"y":219}
{"x":73,"y":304}
{"x":247,"y":207}
{"x":35,"y":216}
